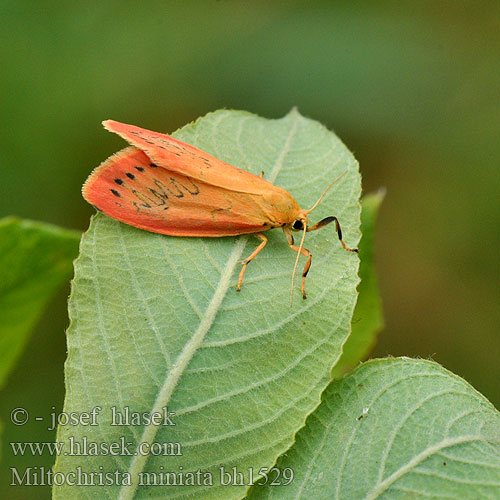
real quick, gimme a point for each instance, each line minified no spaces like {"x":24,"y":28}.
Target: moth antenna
{"x":297,"y":263}
{"x":324,"y":192}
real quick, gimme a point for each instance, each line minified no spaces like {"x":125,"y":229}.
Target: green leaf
{"x":395,"y":429}
{"x":156,"y":321}
{"x":368,"y":318}
{"x":35,"y":260}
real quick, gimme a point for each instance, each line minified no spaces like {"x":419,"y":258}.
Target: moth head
{"x":299,"y":224}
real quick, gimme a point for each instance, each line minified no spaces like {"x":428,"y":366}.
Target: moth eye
{"x":297,"y":225}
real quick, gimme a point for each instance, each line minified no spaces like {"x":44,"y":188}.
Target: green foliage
{"x":156,"y":321}
{"x":368,"y":319}
{"x":35,"y":260}
{"x":395,"y":429}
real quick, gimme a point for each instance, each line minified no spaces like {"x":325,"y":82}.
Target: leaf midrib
{"x":417,"y":459}
{"x":139,"y":460}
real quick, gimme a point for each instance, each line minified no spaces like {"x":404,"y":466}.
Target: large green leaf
{"x":395,"y":429}
{"x":35,"y":260}
{"x":156,"y":321}
{"x":368,"y":317}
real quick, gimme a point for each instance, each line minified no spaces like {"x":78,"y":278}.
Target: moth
{"x":166,"y":186}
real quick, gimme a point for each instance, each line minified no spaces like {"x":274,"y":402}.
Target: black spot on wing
{"x":119,"y":181}
{"x":130,"y":176}
{"x":115,"y":192}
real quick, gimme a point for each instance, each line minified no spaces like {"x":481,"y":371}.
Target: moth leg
{"x":303,"y":251}
{"x":327,"y":220}
{"x":261,"y":175}
{"x":251,"y":257}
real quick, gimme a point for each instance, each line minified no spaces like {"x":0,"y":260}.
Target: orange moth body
{"x":166,"y":186}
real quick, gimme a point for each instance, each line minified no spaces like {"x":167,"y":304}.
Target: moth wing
{"x":130,"y":188}
{"x":167,"y":152}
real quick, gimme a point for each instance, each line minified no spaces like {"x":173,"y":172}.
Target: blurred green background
{"x":412,"y":88}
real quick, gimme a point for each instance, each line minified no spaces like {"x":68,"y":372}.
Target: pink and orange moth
{"x":166,"y":186}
